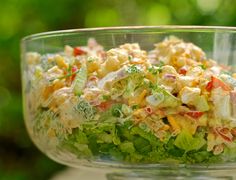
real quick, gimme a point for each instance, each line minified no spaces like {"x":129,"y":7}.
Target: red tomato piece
{"x":209,"y":86}
{"x":78,"y":51}
{"x":183,"y":70}
{"x":195,"y":114}
{"x":73,"y":70}
{"x":215,"y":83}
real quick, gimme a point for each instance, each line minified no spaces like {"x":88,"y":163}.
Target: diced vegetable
{"x":216,"y":83}
{"x":221,"y":101}
{"x":183,"y":71}
{"x":162,"y":98}
{"x":187,"y":142}
{"x":133,"y":106}
{"x":201,"y":103}
{"x":195,"y":114}
{"x":78,"y":51}
{"x":80,"y":80}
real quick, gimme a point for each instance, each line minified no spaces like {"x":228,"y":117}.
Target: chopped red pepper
{"x":209,"y":86}
{"x":194,"y":114}
{"x":215,"y":83}
{"x":73,"y":70}
{"x":78,"y":51}
{"x":183,"y":70}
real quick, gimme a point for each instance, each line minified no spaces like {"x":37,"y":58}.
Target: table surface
{"x":79,"y":174}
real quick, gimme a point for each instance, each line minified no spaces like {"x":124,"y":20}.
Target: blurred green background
{"x":19,"y":158}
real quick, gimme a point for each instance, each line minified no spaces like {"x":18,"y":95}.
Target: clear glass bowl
{"x":79,"y":115}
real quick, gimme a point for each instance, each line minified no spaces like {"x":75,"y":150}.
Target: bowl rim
{"x":129,"y":28}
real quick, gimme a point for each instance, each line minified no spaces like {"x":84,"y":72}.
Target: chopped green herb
{"x":154,"y":70}
{"x":92,"y":58}
{"x":130,"y":57}
{"x":106,"y":97}
{"x":136,"y":106}
{"x":202,"y":66}
{"x":133,"y":69}
{"x":161,"y":63}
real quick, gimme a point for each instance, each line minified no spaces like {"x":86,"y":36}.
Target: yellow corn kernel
{"x":173,"y":60}
{"x":194,"y":83}
{"x":210,"y":137}
{"x":112,"y":63}
{"x":165,"y":127}
{"x":60,"y":62}
{"x":47,"y":91}
{"x":102,"y":71}
{"x":175,"y":126}
{"x":140,"y":114}
{"x":137,"y":112}
{"x":57,"y":84}
{"x":180,"y":62}
{"x":187,"y":55}
{"x":143,"y":103}
{"x":93,"y":66}
{"x":50,"y":59}
{"x":123,"y":57}
{"x":138,"y":99}
{"x":141,"y":96}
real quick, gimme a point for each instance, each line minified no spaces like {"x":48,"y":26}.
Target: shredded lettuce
{"x":127,"y":147}
{"x":229,"y":153}
{"x":162,"y":98}
{"x":116,"y":110}
{"x":134,"y":81}
{"x":187,"y":142}
{"x":173,"y":150}
{"x":128,"y":143}
{"x":201,"y":104}
{"x":142,"y":145}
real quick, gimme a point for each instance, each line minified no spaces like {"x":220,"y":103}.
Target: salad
{"x":129,"y":105}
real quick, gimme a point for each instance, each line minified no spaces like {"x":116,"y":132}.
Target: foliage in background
{"x":19,"y":159}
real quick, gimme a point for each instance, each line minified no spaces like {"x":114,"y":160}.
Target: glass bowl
{"x":133,"y":98}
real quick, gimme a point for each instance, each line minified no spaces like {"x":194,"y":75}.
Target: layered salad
{"x":129,"y":105}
